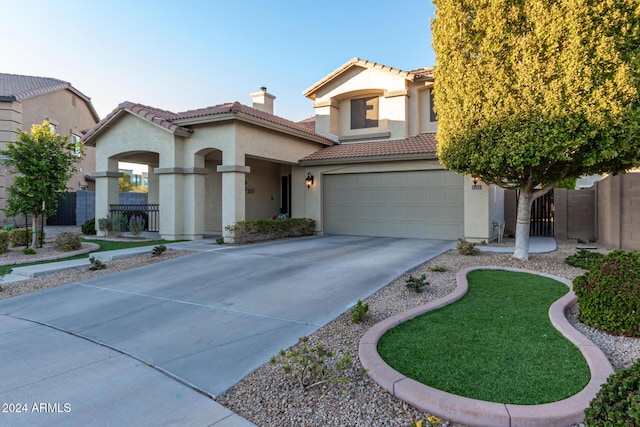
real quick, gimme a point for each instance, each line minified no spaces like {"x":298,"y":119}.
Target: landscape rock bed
{"x":78,"y":274}
{"x":268,"y":397}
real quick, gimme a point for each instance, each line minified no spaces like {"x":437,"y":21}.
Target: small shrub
{"x":89,"y":227}
{"x":4,"y":242}
{"x":416,"y":284}
{"x":618,"y":401}
{"x":8,"y":227}
{"x":261,"y":230}
{"x":584,"y":259}
{"x":104,"y":224}
{"x":609,"y":294}
{"x":158,"y":250}
{"x":19,"y":237}
{"x":29,"y":251}
{"x":96,"y":264}
{"x":68,"y":241}
{"x":438,"y":268}
{"x":136,"y":225}
{"x":467,"y":248}
{"x":359,"y":312}
{"x":142,"y":214}
{"x":220,"y":240}
{"x":313,"y":365}
{"x":119,"y":223}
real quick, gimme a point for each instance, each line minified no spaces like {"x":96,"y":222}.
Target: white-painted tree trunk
{"x":523,"y":224}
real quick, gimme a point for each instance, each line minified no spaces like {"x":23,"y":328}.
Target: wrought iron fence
{"x":150,"y":213}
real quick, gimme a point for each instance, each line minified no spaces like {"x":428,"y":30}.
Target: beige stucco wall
{"x":58,"y":107}
{"x":307,"y":203}
{"x":333,"y":103}
{"x":10,"y":121}
{"x":201,"y":182}
{"x":263,"y":189}
{"x":403,"y":105}
{"x":421,"y":114}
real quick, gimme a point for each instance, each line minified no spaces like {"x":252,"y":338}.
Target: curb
{"x":477,"y":412}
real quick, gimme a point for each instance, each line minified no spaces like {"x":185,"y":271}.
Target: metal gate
{"x":542,"y":211}
{"x":66,"y":213}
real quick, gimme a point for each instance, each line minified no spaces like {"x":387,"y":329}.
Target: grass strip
{"x":105,"y":245}
{"x":495,"y":344}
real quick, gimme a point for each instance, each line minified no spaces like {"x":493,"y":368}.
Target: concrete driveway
{"x":203,"y":322}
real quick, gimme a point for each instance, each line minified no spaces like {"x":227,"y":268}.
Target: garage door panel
{"x":427,"y":204}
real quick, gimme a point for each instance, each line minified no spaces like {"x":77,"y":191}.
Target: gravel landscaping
{"x":77,"y":274}
{"x":269,"y":397}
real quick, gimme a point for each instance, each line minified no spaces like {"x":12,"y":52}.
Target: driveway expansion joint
{"x":120,"y":351}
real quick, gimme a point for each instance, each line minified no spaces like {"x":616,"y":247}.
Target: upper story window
{"x":76,"y":145}
{"x":364,"y":112}
{"x":433,"y":117}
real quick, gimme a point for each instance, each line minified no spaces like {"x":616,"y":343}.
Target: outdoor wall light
{"x":475,"y":185}
{"x":309,"y":180}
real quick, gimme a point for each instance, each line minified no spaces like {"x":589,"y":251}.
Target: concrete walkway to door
{"x":205,"y":321}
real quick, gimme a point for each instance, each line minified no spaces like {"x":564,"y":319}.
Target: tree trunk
{"x":523,"y":220}
{"x":34,"y":232}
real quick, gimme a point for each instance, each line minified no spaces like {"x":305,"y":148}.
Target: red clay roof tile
{"x":166,"y":118}
{"x":424,"y":143}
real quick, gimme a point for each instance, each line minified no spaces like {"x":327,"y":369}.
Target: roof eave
{"x":354,"y":62}
{"x":222,"y":117}
{"x":369,"y":159}
{"x":107,"y":123}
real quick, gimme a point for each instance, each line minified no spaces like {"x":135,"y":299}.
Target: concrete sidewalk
{"x":537,"y":245}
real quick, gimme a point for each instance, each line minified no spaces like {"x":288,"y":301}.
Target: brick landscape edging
{"x":477,"y":412}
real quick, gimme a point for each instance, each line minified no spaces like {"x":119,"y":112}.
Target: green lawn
{"x":105,"y":245}
{"x":495,"y":344}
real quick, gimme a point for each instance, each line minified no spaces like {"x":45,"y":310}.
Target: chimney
{"x":263,"y":100}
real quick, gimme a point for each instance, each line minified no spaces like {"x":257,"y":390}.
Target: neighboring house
{"x":370,"y":149}
{"x":27,"y":100}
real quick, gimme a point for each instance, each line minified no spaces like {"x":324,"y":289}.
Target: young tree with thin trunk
{"x":531,"y":92}
{"x":43,"y":162}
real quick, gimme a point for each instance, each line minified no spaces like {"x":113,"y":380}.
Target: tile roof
{"x":421,"y":73}
{"x":238,"y":108}
{"x":424,"y":143}
{"x":14,"y":87}
{"x":309,"y":122}
{"x":150,"y":114}
{"x":174,"y":122}
{"x":22,"y":87}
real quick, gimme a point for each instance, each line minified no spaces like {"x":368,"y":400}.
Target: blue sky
{"x":191,"y":54}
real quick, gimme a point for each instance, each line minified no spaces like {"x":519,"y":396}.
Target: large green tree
{"x":530,"y":92}
{"x":43,"y":162}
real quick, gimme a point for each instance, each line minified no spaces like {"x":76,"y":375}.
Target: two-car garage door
{"x":418,"y":204}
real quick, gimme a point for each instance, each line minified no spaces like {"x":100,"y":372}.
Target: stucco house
{"x":365,"y":164}
{"x":28,"y":100}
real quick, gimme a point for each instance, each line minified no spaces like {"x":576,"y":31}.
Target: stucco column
{"x":153,"y":196}
{"x":194,"y":203}
{"x":476,"y":211}
{"x":233,"y":196}
{"x":171,"y":202}
{"x":107,"y":193}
